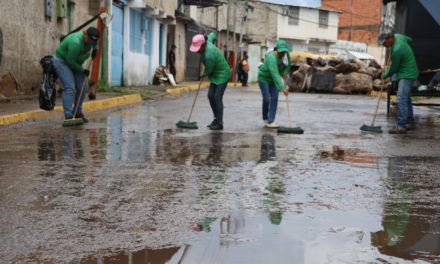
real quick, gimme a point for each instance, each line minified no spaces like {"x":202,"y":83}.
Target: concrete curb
{"x":187,"y":89}
{"x":194,"y":87}
{"x":90,"y":106}
{"x":384,"y":95}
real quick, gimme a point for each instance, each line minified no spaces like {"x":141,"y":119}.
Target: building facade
{"x":359,"y":20}
{"x":138,"y":40}
{"x":260,"y":24}
{"x":32,"y":30}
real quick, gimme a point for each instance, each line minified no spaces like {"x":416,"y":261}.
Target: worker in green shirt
{"x":404,"y":67}
{"x":68,"y":60}
{"x":271,"y":76}
{"x":218,"y":72}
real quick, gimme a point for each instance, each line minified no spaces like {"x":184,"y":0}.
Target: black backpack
{"x":47,"y":85}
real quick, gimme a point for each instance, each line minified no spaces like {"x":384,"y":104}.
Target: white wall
{"x":136,"y":66}
{"x":308,"y":27}
{"x":254,"y":58}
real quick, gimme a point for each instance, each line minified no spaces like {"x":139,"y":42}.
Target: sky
{"x":309,"y":3}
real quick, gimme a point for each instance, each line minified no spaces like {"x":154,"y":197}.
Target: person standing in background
{"x":172,"y":61}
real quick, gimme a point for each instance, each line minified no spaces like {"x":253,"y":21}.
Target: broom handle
{"x":194,"y":101}
{"x":288,"y":112}
{"x":378,"y":102}
{"x":381,"y":89}
{"x":86,"y":78}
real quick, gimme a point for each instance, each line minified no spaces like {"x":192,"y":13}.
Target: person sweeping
{"x":68,"y":60}
{"x":404,"y":66}
{"x":275,"y":67}
{"x":218,"y":72}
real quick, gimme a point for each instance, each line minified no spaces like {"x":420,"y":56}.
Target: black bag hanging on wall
{"x":47,"y":85}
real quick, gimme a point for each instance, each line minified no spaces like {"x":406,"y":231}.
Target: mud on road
{"x":130,"y":187}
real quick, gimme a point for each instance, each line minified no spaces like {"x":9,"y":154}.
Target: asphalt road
{"x":130,"y":187}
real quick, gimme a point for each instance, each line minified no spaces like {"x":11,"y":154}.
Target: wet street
{"x":131,"y":187}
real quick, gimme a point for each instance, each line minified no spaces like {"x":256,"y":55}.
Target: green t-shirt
{"x":403,"y":61}
{"x":216,"y":67}
{"x":272,"y":70}
{"x":74,"y":51}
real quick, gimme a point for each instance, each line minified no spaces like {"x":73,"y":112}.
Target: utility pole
{"x":240,"y":45}
{"x":351,"y":21}
{"x":233,"y":41}
{"x":227,"y":26}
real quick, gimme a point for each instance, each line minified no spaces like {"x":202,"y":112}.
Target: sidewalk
{"x":16,"y":111}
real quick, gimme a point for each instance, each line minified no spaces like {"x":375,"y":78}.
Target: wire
{"x":268,"y":8}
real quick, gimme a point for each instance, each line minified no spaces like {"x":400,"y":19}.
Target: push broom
{"x":188,"y":124}
{"x":78,"y":121}
{"x":289,"y":129}
{"x":372,"y":128}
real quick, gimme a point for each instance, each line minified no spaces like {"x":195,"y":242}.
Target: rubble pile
{"x":335,"y":76}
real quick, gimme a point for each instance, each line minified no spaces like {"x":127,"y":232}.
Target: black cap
{"x":93,"y":35}
{"x":384,"y":36}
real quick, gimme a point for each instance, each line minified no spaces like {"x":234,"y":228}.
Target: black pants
{"x":173,"y":72}
{"x":215,"y":96}
{"x":244,"y":78}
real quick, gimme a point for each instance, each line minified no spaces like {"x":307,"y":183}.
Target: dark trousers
{"x":244,"y":78}
{"x":215,"y":96}
{"x":173,"y":72}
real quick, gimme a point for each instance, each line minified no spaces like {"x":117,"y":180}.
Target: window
{"x":293,"y":14}
{"x":323,"y":19}
{"x":148,"y":26}
{"x":135,"y":31}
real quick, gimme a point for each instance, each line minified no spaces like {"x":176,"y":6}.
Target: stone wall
{"x":28,"y":35}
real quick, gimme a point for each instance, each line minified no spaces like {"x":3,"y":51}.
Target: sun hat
{"x":197,"y":42}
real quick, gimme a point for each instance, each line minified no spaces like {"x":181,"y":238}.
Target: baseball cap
{"x":93,"y":35}
{"x":281,"y":46}
{"x":384,"y":36}
{"x":197,"y":42}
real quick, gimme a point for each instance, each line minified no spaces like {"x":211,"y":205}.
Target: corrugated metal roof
{"x":433,"y":8}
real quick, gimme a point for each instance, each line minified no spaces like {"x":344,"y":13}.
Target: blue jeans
{"x":215,"y":96}
{"x":72,"y":83}
{"x":270,"y":101}
{"x":405,"y":115}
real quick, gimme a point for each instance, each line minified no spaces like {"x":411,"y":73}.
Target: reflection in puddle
{"x":411,"y":223}
{"x":153,"y":256}
{"x":351,"y":155}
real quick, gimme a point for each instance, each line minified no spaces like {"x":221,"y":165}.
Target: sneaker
{"x":410,"y":127}
{"x":85,"y":120}
{"x":397,"y":130}
{"x":272,"y":125}
{"x":212,"y":123}
{"x":216,"y":126}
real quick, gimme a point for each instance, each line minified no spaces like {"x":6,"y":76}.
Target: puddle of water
{"x":156,"y":256}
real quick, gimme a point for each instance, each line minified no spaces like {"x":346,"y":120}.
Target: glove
{"x":86,"y":73}
{"x":94,"y":52}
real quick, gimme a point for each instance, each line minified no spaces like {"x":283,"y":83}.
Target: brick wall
{"x":360,"y":17}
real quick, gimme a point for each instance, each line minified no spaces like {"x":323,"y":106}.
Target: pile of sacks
{"x":335,"y":76}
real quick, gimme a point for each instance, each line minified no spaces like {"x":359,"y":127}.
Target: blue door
{"x":161,"y":44}
{"x":117,"y":45}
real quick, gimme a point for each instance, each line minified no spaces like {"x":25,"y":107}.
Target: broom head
{"x":290,"y":130}
{"x":189,"y":125}
{"x":372,"y":129}
{"x":73,"y":122}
